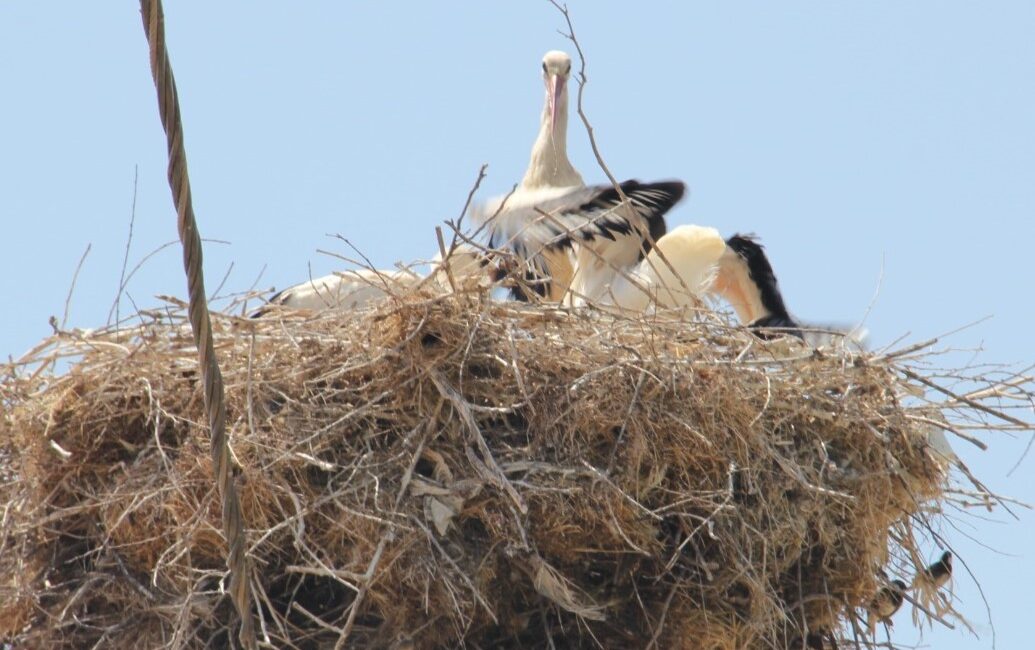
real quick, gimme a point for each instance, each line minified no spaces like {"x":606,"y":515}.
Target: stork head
{"x":556,"y":71}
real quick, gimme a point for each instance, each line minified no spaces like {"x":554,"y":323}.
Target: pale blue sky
{"x":849,"y":135}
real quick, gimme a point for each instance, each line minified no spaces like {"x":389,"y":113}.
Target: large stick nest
{"x":471,"y":473}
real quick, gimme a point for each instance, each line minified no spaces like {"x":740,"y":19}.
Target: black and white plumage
{"x":553,"y":220}
{"x":548,"y":274}
{"x":928,"y":584}
{"x":548,"y":170}
{"x":939,"y":573}
{"x":581,"y":214}
{"x":746,"y":281}
{"x":623,"y":255}
{"x":885,"y":603}
{"x":558,"y":218}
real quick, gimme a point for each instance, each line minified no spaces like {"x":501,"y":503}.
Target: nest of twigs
{"x":452,"y":471}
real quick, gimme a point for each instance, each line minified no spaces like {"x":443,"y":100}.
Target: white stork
{"x":548,"y":168}
{"x":360,"y":288}
{"x":618,"y":247}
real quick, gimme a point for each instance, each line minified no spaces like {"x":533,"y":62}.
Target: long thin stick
{"x":583,"y":80}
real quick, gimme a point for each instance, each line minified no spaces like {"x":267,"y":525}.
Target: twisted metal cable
{"x":212,"y":379}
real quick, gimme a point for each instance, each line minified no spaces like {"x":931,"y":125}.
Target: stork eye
{"x":544,"y":66}
{"x":569,"y":69}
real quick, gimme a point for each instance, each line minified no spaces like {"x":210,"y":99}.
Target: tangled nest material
{"x":466,"y":473}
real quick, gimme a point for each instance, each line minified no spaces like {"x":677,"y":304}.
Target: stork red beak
{"x":555,"y":86}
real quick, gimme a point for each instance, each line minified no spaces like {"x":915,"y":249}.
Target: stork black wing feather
{"x":557,"y":218}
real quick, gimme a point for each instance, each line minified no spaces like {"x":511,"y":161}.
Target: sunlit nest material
{"x":506,"y":476}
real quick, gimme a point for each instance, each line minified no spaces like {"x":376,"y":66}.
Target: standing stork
{"x":550,"y":273}
{"x":623,"y":255}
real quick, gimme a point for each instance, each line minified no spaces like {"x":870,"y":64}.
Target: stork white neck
{"x":549,"y":165}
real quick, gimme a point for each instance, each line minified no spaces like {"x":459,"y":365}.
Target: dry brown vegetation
{"x":449,"y":470}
